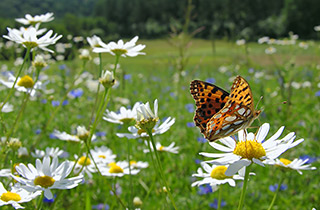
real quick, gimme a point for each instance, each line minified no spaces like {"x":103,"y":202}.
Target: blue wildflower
{"x":204,"y":189}
{"x":55,"y":103}
{"x":274,"y":187}
{"x":190,"y":107}
{"x":310,"y":159}
{"x":62,"y":67}
{"x":211,"y":80}
{"x":101,"y":206}
{"x":101,"y":133}
{"x":127,"y":77}
{"x":49,"y":201}
{"x":190,"y":124}
{"x":38,"y":131}
{"x":215,"y":204}
{"x":76,"y":93}
{"x":197,"y":161}
{"x":318,"y":93}
{"x":65,"y":102}
{"x":52,"y":136}
{"x":44,"y":101}
{"x":172,"y":94}
{"x":202,"y":140}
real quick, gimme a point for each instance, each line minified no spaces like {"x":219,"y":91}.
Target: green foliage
{"x":152,"y":76}
{"x":247,"y":19}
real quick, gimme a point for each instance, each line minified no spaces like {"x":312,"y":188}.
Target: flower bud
{"x":107,"y":79}
{"x":39,"y":62}
{"x":137,"y":201}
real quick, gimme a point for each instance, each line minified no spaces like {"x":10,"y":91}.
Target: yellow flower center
{"x":84,"y":161}
{"x":146,"y":124}
{"x":285,"y":161}
{"x":30,"y":44}
{"x":10,"y":196}
{"x":44,"y":181}
{"x":133,"y":162}
{"x":14,"y":167}
{"x":127,"y":120}
{"x":112,"y":164}
{"x":84,"y":136}
{"x":115,"y":169}
{"x":119,"y":51}
{"x":249,"y":149}
{"x":141,"y":131}
{"x":102,"y":156}
{"x":219,"y":173}
{"x":26,"y":81}
{"x":161,"y":148}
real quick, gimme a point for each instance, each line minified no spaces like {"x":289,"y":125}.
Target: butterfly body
{"x":220,"y":114}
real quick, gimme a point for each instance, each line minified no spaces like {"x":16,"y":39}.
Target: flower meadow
{"x":112,"y":126}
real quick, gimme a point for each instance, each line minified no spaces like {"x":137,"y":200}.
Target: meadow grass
{"x":153,"y":77}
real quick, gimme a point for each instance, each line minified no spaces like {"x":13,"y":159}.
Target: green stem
{"x":244,"y":187}
{"x":275,"y":195}
{"x":220,"y":196}
{"x":88,"y":198}
{"x":149,"y":131}
{"x":98,"y":90}
{"x":56,"y":199}
{"x":102,"y":107}
{"x":115,"y":66}
{"x":16,"y":80}
{"x":130,"y":177}
{"x":18,"y":117}
{"x":39,"y":205}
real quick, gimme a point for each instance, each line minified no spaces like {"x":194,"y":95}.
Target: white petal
{"x":262,"y":132}
{"x":236,"y":166}
{"x":257,"y":162}
{"x":220,"y":147}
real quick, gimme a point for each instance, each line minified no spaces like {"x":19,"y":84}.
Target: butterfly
{"x":220,"y":114}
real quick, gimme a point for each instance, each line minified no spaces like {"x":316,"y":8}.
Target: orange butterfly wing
{"x":209,"y":99}
{"x":237,"y":114}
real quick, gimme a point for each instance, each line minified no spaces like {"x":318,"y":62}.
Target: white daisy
{"x":264,"y":39}
{"x":29,"y":38}
{"x":139,"y":164}
{"x":46,"y":176}
{"x":23,"y":84}
{"x":171,"y":148}
{"x":123,"y":116}
{"x":84,"y":165}
{"x":241,"y":42}
{"x":94,"y":41}
{"x":297,"y":164}
{"x":144,"y":112}
{"x":6,"y":108}
{"x":50,"y":151}
{"x":251,"y":148}
{"x":16,"y":196}
{"x":117,"y":169}
{"x":120,"y":48}
{"x":81,"y":135}
{"x":5,"y":172}
{"x":270,"y":50}
{"x":29,"y":20}
{"x":103,"y":155}
{"x":141,"y":133}
{"x":215,"y":175}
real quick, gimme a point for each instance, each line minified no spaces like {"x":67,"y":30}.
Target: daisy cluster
{"x":60,"y":169}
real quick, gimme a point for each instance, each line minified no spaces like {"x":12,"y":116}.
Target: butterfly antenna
{"x":259,"y":102}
